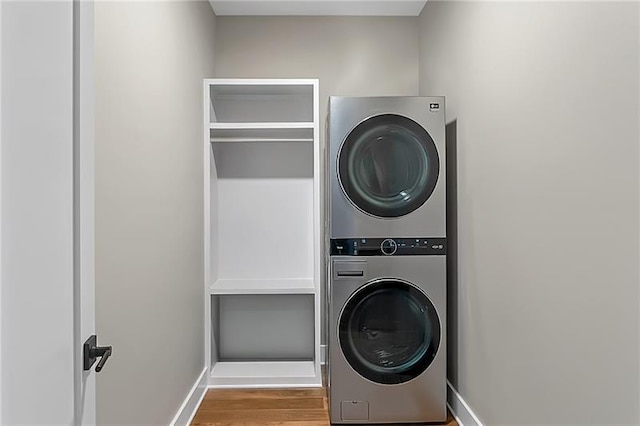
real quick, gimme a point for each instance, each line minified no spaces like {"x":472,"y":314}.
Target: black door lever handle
{"x":104,"y":352}
{"x":92,"y":351}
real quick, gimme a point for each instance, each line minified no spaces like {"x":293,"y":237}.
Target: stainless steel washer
{"x":387,"y":346}
{"x":386,"y":166}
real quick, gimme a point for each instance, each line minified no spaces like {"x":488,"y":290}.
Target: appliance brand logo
{"x":434,"y":106}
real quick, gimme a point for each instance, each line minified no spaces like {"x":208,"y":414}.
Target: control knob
{"x":388,"y":247}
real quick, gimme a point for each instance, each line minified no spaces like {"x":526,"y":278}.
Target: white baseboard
{"x":323,"y":354}
{"x":192,"y":402}
{"x":460,"y":409}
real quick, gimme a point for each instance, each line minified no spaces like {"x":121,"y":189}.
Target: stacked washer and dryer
{"x":387,"y":264}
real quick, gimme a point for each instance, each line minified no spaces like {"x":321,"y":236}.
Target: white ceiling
{"x":318,"y":7}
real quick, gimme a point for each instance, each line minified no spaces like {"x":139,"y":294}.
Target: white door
{"x":46,"y":211}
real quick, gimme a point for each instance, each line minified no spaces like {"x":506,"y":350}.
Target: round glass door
{"x":389,"y":331}
{"x":388,"y":165}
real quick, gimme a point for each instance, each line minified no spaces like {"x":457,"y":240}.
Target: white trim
{"x":192,"y":402}
{"x":206,"y":184}
{"x":84,"y":205}
{"x":266,"y":140}
{"x":460,"y":409}
{"x":264,"y":286}
{"x":260,"y":81}
{"x":265,"y":374}
{"x":262,"y":125}
{"x":318,"y":7}
{"x":456,"y":418}
{"x":1,"y":396}
{"x":638,"y":159}
{"x":317,"y":250}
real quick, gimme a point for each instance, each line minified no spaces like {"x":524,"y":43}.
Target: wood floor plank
{"x":247,"y":394}
{"x":271,"y":415}
{"x":266,"y":404}
{"x":267,"y":407}
{"x":295,"y":423}
{"x":272,"y":407}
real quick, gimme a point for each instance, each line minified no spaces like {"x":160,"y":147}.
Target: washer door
{"x":388,"y":166}
{"x":389,"y":331}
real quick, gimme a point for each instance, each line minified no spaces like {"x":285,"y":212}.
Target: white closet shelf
{"x":265,"y":374}
{"x":261,"y":132}
{"x":264,"y":286}
{"x":262,"y":126}
{"x":265,"y":140}
{"x":261,"y":87}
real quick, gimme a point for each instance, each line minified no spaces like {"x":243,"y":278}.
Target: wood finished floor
{"x":267,"y":407}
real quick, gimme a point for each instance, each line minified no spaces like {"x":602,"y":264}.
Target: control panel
{"x":419,"y":246}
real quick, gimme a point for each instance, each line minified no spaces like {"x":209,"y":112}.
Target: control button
{"x":388,"y":247}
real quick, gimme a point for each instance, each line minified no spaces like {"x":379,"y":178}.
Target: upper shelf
{"x":264,"y":286}
{"x":261,"y":132}
{"x":261,"y":125}
{"x":261,"y":101}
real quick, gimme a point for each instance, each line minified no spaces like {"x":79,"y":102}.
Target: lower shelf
{"x":265,"y":374}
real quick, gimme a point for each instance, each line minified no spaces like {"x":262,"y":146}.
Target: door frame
{"x":84,"y":205}
{"x":1,"y":381}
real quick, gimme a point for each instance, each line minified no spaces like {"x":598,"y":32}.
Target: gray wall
{"x":543,"y":111}
{"x":151,"y":59}
{"x":351,"y":56}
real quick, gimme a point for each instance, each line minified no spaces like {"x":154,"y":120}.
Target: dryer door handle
{"x":351,"y":273}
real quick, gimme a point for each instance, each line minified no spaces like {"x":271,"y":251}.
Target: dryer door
{"x":388,"y":166}
{"x":389,"y":331}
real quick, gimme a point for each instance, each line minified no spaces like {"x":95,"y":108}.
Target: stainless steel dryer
{"x":387,"y":349}
{"x":387,"y":166}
